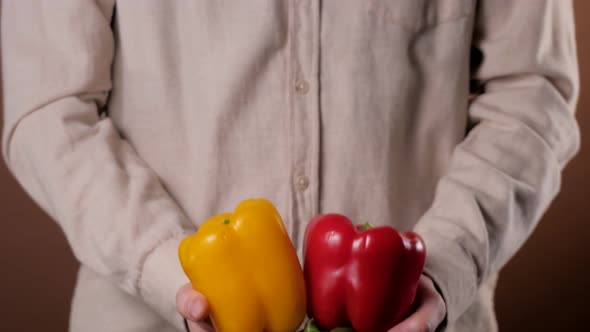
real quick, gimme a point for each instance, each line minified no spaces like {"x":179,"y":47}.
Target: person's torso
{"x":332,"y":106}
{"x":344,"y":106}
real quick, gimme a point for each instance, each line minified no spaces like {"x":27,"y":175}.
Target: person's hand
{"x":193,"y":306}
{"x":429,"y":313}
{"x":430,"y":310}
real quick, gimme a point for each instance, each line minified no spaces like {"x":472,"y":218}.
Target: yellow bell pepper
{"x":247,"y":268}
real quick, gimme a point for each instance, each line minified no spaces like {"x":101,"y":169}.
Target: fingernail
{"x":194,"y":309}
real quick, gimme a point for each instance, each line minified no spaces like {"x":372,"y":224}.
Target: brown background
{"x":544,"y":288}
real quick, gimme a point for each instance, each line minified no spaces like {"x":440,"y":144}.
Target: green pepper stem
{"x":366,"y":226}
{"x":226,"y":222}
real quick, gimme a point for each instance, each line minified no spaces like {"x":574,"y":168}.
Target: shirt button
{"x":302,"y":182}
{"x":301,"y":87}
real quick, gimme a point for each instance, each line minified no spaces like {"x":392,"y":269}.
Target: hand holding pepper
{"x":429,"y":314}
{"x":368,"y":278}
{"x":246,"y":267}
{"x":430,"y":310}
{"x":193,"y":306}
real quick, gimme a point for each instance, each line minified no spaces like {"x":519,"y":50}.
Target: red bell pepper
{"x":360,"y":276}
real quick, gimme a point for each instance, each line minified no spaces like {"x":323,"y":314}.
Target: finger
{"x":191,"y":304}
{"x":429,"y":314}
{"x":200,"y":327}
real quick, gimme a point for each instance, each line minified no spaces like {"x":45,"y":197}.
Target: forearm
{"x":117,"y":216}
{"x":507,"y":171}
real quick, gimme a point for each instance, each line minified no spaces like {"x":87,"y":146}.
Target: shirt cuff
{"x":161,"y":277}
{"x":451,"y":268}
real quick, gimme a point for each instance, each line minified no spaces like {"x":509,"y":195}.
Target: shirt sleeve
{"x":505,"y":173}
{"x":116,"y":215}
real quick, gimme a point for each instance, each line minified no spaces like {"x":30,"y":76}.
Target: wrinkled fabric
{"x":131,"y":122}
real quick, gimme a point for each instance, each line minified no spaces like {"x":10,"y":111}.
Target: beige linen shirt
{"x":130,"y":122}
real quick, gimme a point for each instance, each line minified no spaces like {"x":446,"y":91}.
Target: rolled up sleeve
{"x":522,"y":132}
{"x":115,"y":213}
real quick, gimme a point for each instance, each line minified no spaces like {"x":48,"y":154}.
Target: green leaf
{"x":311,"y":327}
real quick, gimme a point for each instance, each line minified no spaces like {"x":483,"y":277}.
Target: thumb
{"x":191,"y":304}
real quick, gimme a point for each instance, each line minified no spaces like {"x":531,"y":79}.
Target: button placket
{"x":305,"y":113}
